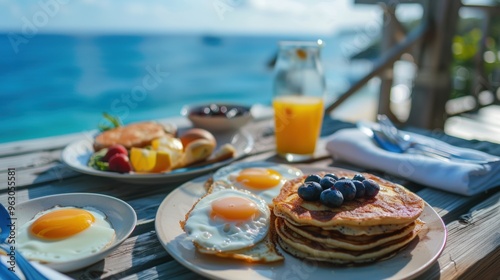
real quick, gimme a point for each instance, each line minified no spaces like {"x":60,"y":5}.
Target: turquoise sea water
{"x":57,"y":84}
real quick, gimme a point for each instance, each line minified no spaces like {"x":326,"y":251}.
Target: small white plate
{"x":77,"y":155}
{"x":120,"y":214}
{"x":413,"y":260}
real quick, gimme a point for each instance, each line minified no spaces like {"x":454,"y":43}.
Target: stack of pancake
{"x":360,"y":231}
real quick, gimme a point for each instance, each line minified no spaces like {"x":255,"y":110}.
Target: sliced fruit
{"x":143,"y":160}
{"x":163,"y":162}
{"x":171,"y":145}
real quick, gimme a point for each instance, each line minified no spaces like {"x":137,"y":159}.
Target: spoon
{"x":379,"y":137}
{"x":28,"y":270}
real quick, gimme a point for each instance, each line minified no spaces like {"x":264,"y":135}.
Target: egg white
{"x":221,"y":235}
{"x":87,"y":242}
{"x":227,"y":176}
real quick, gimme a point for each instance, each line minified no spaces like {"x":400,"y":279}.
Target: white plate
{"x":419,"y":255}
{"x":121,"y":216}
{"x":77,"y":155}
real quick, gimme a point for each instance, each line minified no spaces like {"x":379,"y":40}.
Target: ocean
{"x":57,"y":84}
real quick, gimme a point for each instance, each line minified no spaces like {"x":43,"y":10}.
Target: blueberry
{"x":343,"y":178}
{"x":310,"y":191}
{"x":327,"y":182}
{"x":347,"y":188}
{"x":360,"y":188}
{"x":358,"y":177}
{"x":332,"y":175}
{"x":313,"y":178}
{"x":331,"y":198}
{"x":371,"y":188}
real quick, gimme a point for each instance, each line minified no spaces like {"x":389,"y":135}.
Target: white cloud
{"x":291,"y":7}
{"x":237,"y":16}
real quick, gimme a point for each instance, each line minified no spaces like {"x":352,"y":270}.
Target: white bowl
{"x":120,"y":214}
{"x":217,"y":123}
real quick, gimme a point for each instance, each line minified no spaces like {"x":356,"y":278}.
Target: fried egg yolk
{"x":227,"y":220}
{"x":61,"y":234}
{"x":259,"y":178}
{"x":234,"y":208}
{"x":62,"y":223}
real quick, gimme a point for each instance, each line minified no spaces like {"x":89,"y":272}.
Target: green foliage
{"x":466,"y":47}
{"x":115,"y":122}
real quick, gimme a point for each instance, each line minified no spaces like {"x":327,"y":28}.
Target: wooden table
{"x":473,"y":224}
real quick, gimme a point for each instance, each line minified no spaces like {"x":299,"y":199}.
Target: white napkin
{"x":355,"y":147}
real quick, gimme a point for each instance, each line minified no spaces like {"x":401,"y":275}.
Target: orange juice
{"x":297,"y":123}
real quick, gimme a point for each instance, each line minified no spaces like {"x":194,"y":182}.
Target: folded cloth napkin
{"x":353,"y":146}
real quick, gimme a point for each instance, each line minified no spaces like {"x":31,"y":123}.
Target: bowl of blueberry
{"x":333,"y":191}
{"x":217,"y":117}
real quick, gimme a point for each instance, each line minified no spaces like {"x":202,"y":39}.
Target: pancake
{"x":334,"y":239}
{"x":304,"y":248}
{"x":393,"y":205}
{"x":138,"y":134}
{"x":358,"y":230}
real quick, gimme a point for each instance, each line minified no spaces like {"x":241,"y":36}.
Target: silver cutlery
{"x":407,"y":144}
{"x":379,"y":137}
{"x":386,"y":143}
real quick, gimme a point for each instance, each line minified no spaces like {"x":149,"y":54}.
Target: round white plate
{"x":419,"y":255}
{"x":77,"y":155}
{"x":120,"y":214}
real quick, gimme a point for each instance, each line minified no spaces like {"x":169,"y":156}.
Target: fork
{"x":26,"y":268}
{"x":407,"y":144}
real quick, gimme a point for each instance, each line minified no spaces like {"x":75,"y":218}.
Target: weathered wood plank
{"x":171,"y":270}
{"x":41,"y":144}
{"x":472,"y":240}
{"x":24,"y":161}
{"x":51,"y":172}
{"x":450,"y":206}
{"x":132,"y":256}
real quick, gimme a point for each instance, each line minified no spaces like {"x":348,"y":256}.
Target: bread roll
{"x":193,"y":134}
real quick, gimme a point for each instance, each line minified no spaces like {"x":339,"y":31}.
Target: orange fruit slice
{"x":163,"y":162}
{"x":143,"y":160}
{"x":171,"y":145}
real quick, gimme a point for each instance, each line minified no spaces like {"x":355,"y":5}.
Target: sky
{"x":201,"y":16}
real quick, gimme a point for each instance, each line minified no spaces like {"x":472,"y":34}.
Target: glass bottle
{"x":298,"y":101}
{"x":298,"y":69}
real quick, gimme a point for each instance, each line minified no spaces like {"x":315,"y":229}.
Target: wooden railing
{"x":431,"y":45}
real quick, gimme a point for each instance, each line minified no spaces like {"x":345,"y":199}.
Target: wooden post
{"x":433,"y":82}
{"x":387,"y":76}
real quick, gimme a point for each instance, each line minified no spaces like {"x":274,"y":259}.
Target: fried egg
{"x":64,"y":233}
{"x":260,"y":178}
{"x":227,"y":220}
